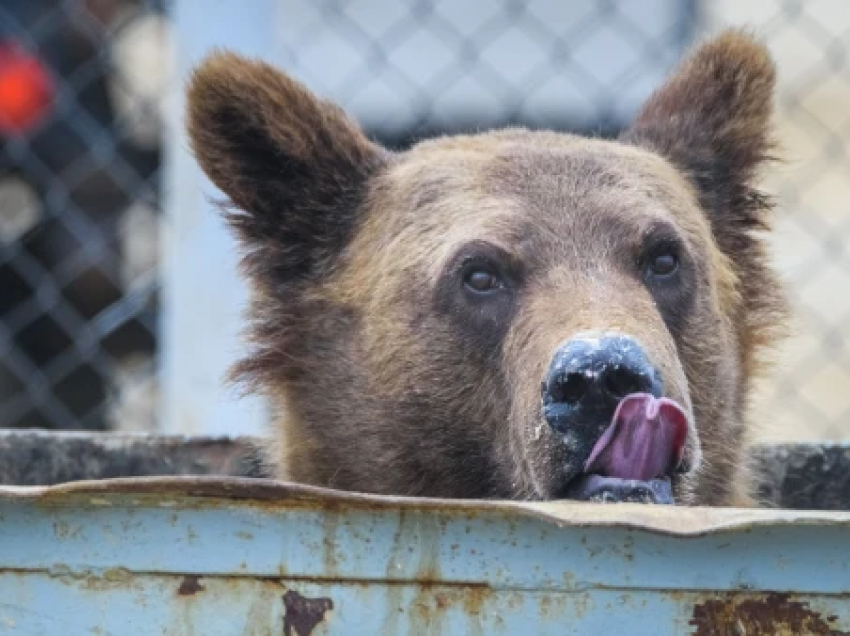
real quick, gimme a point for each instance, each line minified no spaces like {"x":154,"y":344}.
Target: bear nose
{"x":588,"y":377}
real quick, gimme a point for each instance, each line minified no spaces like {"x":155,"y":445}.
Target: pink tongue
{"x":645,"y":440}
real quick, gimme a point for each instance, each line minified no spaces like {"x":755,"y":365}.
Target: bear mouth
{"x":599,"y":489}
{"x":638,"y":454}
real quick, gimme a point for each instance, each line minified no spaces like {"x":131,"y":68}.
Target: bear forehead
{"x":513,"y":185}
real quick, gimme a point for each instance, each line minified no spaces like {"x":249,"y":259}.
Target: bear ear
{"x":712,"y":119}
{"x":294,"y":167}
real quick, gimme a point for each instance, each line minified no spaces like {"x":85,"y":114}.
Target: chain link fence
{"x":809,"y":397}
{"x":79,"y":208}
{"x":82,"y":89}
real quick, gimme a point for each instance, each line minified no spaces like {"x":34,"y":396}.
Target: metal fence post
{"x":202,"y":296}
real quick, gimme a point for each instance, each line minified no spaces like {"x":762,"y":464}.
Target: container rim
{"x":200,"y":491}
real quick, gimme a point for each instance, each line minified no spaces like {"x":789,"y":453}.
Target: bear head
{"x":513,"y":314}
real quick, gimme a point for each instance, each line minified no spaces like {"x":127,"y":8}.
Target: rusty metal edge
{"x":670,"y":521}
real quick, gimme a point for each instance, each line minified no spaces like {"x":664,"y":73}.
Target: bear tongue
{"x":645,"y":440}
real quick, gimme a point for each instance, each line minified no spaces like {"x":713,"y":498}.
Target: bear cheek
{"x":684,"y":488}
{"x":539,"y":457}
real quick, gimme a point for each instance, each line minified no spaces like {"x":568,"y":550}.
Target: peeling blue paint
{"x":217,"y":556}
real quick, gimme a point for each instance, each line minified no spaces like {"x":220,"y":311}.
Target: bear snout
{"x":603,"y":393}
{"x":589,"y":376}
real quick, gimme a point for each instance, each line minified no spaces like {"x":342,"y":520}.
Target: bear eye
{"x":661,"y":260}
{"x":482,"y":281}
{"x":664,"y":264}
{"x":481,"y":277}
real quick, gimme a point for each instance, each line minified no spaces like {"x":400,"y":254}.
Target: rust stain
{"x":442,"y":601}
{"x":110,"y":579}
{"x":303,"y":614}
{"x":772,"y":614}
{"x":474,"y":599}
{"x":431,"y":604}
{"x":190,"y":585}
{"x":330,"y":525}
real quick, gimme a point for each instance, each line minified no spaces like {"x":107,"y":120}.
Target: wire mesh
{"x":809,"y":395}
{"x":79,"y":195}
{"x":80,"y":190}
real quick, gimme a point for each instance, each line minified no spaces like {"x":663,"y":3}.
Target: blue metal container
{"x":208,"y":556}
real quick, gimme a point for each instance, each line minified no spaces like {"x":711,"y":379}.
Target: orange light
{"x":26,"y":89}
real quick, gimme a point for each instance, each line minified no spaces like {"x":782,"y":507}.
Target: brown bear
{"x":514,"y":314}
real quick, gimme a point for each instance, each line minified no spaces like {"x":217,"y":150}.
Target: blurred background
{"x":119,"y":303}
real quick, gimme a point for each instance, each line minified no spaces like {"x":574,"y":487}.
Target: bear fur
{"x":385,"y":378}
